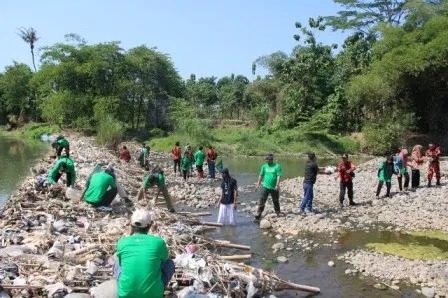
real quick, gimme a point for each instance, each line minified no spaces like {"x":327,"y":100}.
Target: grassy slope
{"x":248,"y":141}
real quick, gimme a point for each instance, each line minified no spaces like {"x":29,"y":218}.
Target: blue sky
{"x":205,"y":37}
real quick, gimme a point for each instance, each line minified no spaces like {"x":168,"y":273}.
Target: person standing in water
{"x":270,"y":175}
{"x":228,"y":200}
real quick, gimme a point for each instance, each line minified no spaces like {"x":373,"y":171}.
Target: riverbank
{"x":234,"y":140}
{"x":421,"y":210}
{"x":57,"y":243}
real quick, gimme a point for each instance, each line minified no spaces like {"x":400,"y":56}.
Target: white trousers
{"x":227,"y":214}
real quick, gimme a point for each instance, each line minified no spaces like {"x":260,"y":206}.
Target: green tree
{"x":16,"y":93}
{"x":363,"y":15}
{"x":29,"y":35}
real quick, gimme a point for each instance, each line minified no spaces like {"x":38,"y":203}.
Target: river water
{"x":16,"y":158}
{"x":310,"y":268}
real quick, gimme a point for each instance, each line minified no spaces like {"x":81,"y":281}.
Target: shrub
{"x":109,"y":132}
{"x":35,"y":130}
{"x":157,"y":133}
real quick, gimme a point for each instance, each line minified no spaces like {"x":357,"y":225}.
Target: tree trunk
{"x":32,"y":56}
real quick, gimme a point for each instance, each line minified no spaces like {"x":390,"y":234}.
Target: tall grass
{"x":110,"y":132}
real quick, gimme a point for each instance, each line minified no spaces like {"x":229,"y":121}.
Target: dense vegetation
{"x":387,"y":79}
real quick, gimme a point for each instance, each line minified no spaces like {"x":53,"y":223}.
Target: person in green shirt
{"x":60,"y":144}
{"x":385,"y":172}
{"x":61,"y":166}
{"x":185,"y":165}
{"x":101,"y":188}
{"x":143,"y":268}
{"x":270,"y":173}
{"x":157,"y":177}
{"x":199,"y":157}
{"x":143,"y":158}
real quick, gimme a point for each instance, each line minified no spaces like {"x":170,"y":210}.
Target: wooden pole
{"x":231,"y":245}
{"x":235,"y":257}
{"x":292,"y":286}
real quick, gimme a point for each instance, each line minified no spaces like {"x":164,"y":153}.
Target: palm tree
{"x":29,"y":35}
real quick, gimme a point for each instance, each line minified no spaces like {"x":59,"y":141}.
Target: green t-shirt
{"x":185,"y":163}
{"x":70,"y":169}
{"x":62,"y":142}
{"x":140,"y":257}
{"x":270,"y":174}
{"x":152,"y":179}
{"x":97,"y":186}
{"x":199,"y":157}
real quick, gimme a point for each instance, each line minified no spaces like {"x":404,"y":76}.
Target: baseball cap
{"x":345,"y":156}
{"x":141,"y":218}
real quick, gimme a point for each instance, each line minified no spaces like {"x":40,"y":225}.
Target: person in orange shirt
{"x":346,"y":173}
{"x":433,"y":154}
{"x":177,"y":155}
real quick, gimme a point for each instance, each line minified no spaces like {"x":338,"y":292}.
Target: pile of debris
{"x":53,"y":245}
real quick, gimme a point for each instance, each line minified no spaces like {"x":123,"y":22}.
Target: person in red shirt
{"x":125,"y":154}
{"x":433,"y":154}
{"x":211,"y":160}
{"x":346,"y":173}
{"x":177,"y":155}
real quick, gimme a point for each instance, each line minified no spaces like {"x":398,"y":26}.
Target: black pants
{"x":176,"y":163}
{"x":415,"y":181}
{"x":107,"y":198}
{"x":380,"y":185}
{"x":184,"y":174}
{"x":59,"y":151}
{"x":264,"y":197}
{"x":69,"y":178}
{"x":342,"y":187}
{"x":406,"y":181}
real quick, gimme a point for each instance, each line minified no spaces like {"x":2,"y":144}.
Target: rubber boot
{"x":438,"y":182}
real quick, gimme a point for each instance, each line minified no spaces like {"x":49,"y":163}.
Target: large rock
{"x":282,"y":259}
{"x":278,"y":246}
{"x":265,"y":224}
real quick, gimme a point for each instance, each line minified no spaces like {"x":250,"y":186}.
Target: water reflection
{"x":16,"y":157}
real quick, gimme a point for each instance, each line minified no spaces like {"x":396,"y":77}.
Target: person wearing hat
{"x":385,"y":172}
{"x":228,"y":200}
{"x":270,"y":174}
{"x":432,"y":154}
{"x":101,"y":188}
{"x":63,"y":165}
{"x":143,"y":267}
{"x":311,"y":171}
{"x":60,"y":144}
{"x":346,"y":173}
{"x":157,"y":177}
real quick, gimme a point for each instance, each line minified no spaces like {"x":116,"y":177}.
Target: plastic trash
{"x":106,"y":289}
{"x":3,"y":294}
{"x":73,"y":193}
{"x":44,"y":138}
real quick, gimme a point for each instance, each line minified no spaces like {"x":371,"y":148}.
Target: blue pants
{"x":308,"y":194}
{"x":211,"y":168}
{"x":166,"y":267}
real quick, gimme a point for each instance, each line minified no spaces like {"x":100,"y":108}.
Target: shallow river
{"x":310,"y":268}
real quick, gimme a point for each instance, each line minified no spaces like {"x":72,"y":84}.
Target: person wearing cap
{"x":143,"y":267}
{"x":311,"y":171}
{"x":101,"y":188}
{"x":199,"y":157}
{"x":433,"y":154}
{"x":157,"y":177}
{"x":61,"y":166}
{"x":60,"y":144}
{"x":270,"y":174}
{"x":385,"y":172}
{"x":346,"y":173}
{"x":211,"y":161}
{"x":228,"y":200}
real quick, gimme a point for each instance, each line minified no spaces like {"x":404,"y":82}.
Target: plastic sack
{"x":73,"y":193}
{"x":106,"y":289}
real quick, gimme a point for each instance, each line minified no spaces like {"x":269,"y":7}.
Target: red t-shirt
{"x":343,"y":167}
{"x":125,"y":155}
{"x":177,"y":153}
{"x":211,"y":154}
